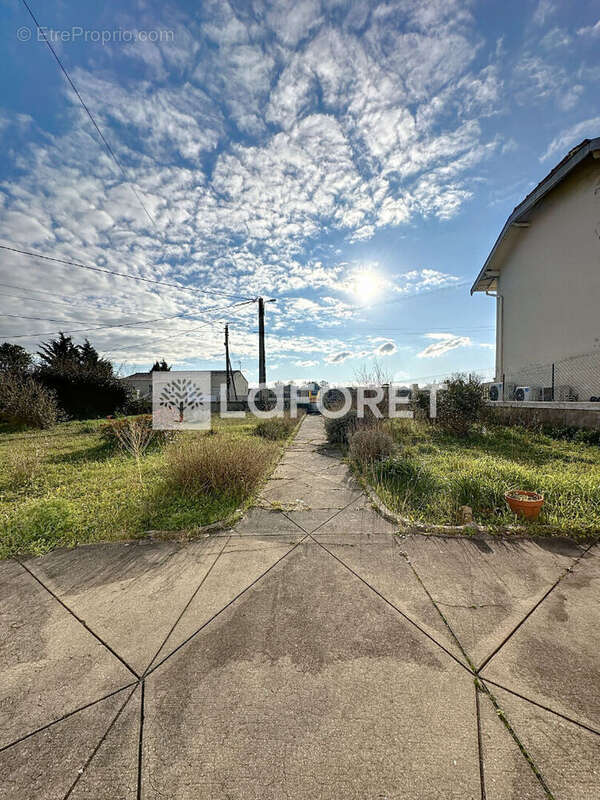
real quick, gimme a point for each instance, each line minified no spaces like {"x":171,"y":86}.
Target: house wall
{"x":550,"y":281}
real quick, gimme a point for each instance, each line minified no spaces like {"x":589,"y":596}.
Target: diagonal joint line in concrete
{"x":542,"y":706}
{"x":546,"y":594}
{"x":99,"y":745}
{"x":320,"y":525}
{"x":67,"y":715}
{"x":524,"y":752}
{"x":225,"y":607}
{"x":81,"y":621}
{"x":392,"y":605}
{"x":439,"y":611}
{"x":187,"y":605}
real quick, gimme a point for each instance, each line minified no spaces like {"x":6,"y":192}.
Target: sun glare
{"x":366,"y":286}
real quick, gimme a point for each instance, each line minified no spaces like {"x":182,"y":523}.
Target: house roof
{"x":486,"y":280}
{"x":217,"y":373}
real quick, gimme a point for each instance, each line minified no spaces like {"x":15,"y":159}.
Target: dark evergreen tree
{"x":14,"y":358}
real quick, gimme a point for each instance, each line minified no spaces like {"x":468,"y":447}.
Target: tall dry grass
{"x":218,"y":464}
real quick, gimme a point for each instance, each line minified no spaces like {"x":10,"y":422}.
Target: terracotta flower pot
{"x":526,"y":504}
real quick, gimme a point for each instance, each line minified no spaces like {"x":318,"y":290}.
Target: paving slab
{"x":358,"y":517}
{"x":112,"y":774}
{"x":263,"y":522}
{"x":567,"y":756}
{"x":484,"y":587}
{"x":554,"y":657}
{"x":49,"y":664}
{"x":235,"y":570}
{"x":507,"y":775}
{"x":379,"y":561}
{"x":306,"y":494}
{"x":130,"y":595}
{"x":46,"y":765}
{"x":308,"y":686}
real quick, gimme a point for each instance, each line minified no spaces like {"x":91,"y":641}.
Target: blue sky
{"x":354,"y":160}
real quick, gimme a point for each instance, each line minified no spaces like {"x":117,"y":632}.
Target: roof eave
{"x":523,"y":209}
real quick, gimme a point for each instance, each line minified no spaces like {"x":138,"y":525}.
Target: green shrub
{"x":40,"y":526}
{"x":276,"y":428}
{"x":460,"y":405}
{"x":218,"y":464}
{"x":25,"y":401}
{"x":369,"y":445}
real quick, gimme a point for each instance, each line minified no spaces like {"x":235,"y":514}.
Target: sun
{"x":366,"y":285}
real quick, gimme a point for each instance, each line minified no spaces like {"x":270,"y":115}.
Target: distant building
{"x":544,"y":271}
{"x":141,"y":382}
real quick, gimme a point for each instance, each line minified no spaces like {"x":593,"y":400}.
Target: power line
{"x":100,"y":327}
{"x":120,"y":274}
{"x":111,"y":152}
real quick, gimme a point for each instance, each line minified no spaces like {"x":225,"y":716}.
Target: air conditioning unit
{"x":501,"y":391}
{"x":565,"y":394}
{"x":523,"y":393}
{"x":495,"y":391}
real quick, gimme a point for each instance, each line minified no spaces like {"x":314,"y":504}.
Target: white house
{"x":142,"y":383}
{"x":544,"y":271}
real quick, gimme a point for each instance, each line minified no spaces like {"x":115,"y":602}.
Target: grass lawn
{"x":433,"y":474}
{"x":65,"y":486}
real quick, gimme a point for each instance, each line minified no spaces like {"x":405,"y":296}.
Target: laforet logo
{"x":181,"y":395}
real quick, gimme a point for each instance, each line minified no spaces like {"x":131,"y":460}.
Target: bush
{"x":25,"y":401}
{"x":340,"y":429}
{"x":217,"y":464}
{"x":83,"y":395}
{"x":276,"y":428}
{"x":460,"y":405}
{"x":369,"y":445}
{"x":117,"y":433}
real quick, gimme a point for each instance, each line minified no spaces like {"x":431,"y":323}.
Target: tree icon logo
{"x":181,"y":395}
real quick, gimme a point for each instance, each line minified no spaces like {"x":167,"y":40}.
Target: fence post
{"x":552,"y":381}
{"x":503,"y":384}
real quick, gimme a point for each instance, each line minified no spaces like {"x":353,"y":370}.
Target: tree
{"x":90,"y":361}
{"x":59,"y":355}
{"x":85,"y":384}
{"x":160,"y":366}
{"x":374,"y":375}
{"x":14,"y":358}
{"x":63,"y":356}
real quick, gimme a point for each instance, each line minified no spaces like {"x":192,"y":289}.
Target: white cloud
{"x":386,"y":349}
{"x":444,"y":343}
{"x":560,"y":145}
{"x":592,"y":31}
{"x":543,"y":11}
{"x":306,"y":363}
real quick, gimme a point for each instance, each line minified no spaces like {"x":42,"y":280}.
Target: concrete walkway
{"x":307,"y":653}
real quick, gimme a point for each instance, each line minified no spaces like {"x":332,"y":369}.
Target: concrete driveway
{"x":307,"y":653}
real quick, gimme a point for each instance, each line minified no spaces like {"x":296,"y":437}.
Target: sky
{"x":352,"y":161}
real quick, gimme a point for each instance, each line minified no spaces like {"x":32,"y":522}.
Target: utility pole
{"x":227,"y":365}
{"x":262,"y":367}
{"x":229,"y":371}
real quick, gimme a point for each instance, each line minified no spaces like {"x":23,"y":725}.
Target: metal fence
{"x":575,"y":379}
